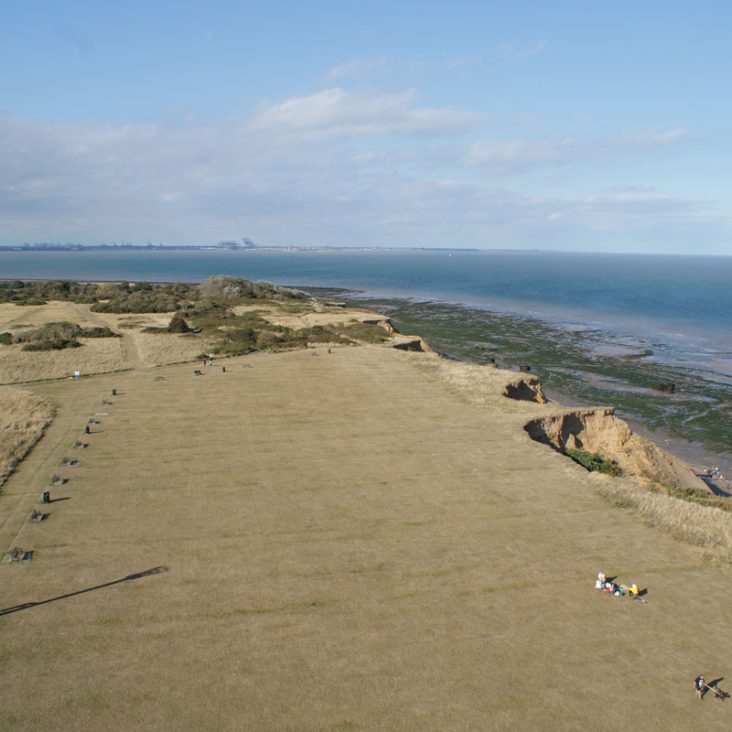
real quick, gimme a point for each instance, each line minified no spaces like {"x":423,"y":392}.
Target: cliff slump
{"x":400,"y":341}
{"x":600,"y":431}
{"x":525,"y":388}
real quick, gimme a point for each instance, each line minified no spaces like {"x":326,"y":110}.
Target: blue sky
{"x":529,"y":125}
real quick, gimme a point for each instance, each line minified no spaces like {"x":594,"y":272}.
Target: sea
{"x":678,"y":307}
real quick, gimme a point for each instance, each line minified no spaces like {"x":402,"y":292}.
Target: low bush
{"x":594,"y":462}
{"x":98,"y":332}
{"x":38,"y":293}
{"x":6,"y":339}
{"x":57,"y":336}
{"x":701,"y":497}
{"x":54,"y":344}
{"x":178,"y":324}
{"x":368,"y":332}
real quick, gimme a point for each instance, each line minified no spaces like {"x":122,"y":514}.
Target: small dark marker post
{"x":114,"y":392}
{"x":46,"y":497}
{"x":87,"y":431}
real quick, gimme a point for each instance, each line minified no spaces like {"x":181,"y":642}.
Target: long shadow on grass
{"x":128,"y":578}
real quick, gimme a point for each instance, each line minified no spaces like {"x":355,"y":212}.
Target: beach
{"x":339,"y":537}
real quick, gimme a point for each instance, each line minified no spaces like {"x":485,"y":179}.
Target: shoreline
{"x":591,"y":380}
{"x":695,"y":455}
{"x":605,"y":388}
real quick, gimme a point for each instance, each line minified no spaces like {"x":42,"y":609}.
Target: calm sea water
{"x":680,"y":306}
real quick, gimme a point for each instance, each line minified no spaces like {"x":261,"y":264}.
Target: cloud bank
{"x":331,"y":167}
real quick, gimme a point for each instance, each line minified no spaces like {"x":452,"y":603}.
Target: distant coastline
{"x":222,"y":246}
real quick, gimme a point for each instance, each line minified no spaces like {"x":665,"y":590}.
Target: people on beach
{"x":600,"y":581}
{"x":699,"y":686}
{"x":633,"y":591}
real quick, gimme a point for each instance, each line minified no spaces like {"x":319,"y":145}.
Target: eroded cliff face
{"x":410,"y":343}
{"x":600,"y":431}
{"x":525,"y":388}
{"x":399,"y":340}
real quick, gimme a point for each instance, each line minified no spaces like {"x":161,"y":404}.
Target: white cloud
{"x":335,"y":112}
{"x":519,"y":155}
{"x":516,"y":156}
{"x":346,"y":184}
{"x":355,"y":67}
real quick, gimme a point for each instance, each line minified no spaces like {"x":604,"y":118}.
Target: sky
{"x":576,"y":126}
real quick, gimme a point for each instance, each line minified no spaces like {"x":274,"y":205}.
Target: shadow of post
{"x":129,"y":578}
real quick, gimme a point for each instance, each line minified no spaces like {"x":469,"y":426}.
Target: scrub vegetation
{"x":594,"y":462}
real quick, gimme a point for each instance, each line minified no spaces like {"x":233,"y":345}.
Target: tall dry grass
{"x":97,"y":355}
{"x":24,"y":417}
{"x":701,"y":526}
{"x":157,"y":349}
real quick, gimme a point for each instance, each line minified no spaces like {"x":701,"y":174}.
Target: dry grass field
{"x":135,"y":349}
{"x":23,"y":418}
{"x":351,"y":541}
{"x":306,"y":317}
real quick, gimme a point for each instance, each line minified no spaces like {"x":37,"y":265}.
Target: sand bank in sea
{"x":361,"y":539}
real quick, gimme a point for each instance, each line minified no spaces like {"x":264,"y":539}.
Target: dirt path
{"x":131,"y":353}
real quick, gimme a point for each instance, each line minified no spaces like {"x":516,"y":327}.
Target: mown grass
{"x":431,"y":627}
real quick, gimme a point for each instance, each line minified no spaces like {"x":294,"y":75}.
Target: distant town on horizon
{"x":245,"y":245}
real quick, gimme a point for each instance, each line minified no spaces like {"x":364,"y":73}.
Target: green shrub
{"x":6,"y":339}
{"x":268,"y":339}
{"x":701,"y":497}
{"x":594,"y":462}
{"x":368,"y":332}
{"x":57,"y":336}
{"x":98,"y":332}
{"x":178,"y":324}
{"x":55,"y":344}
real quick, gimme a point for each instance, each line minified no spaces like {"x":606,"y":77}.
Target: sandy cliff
{"x":598,"y":430}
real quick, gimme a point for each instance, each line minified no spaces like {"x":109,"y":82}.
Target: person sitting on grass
{"x":699,"y":686}
{"x":633,"y":591}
